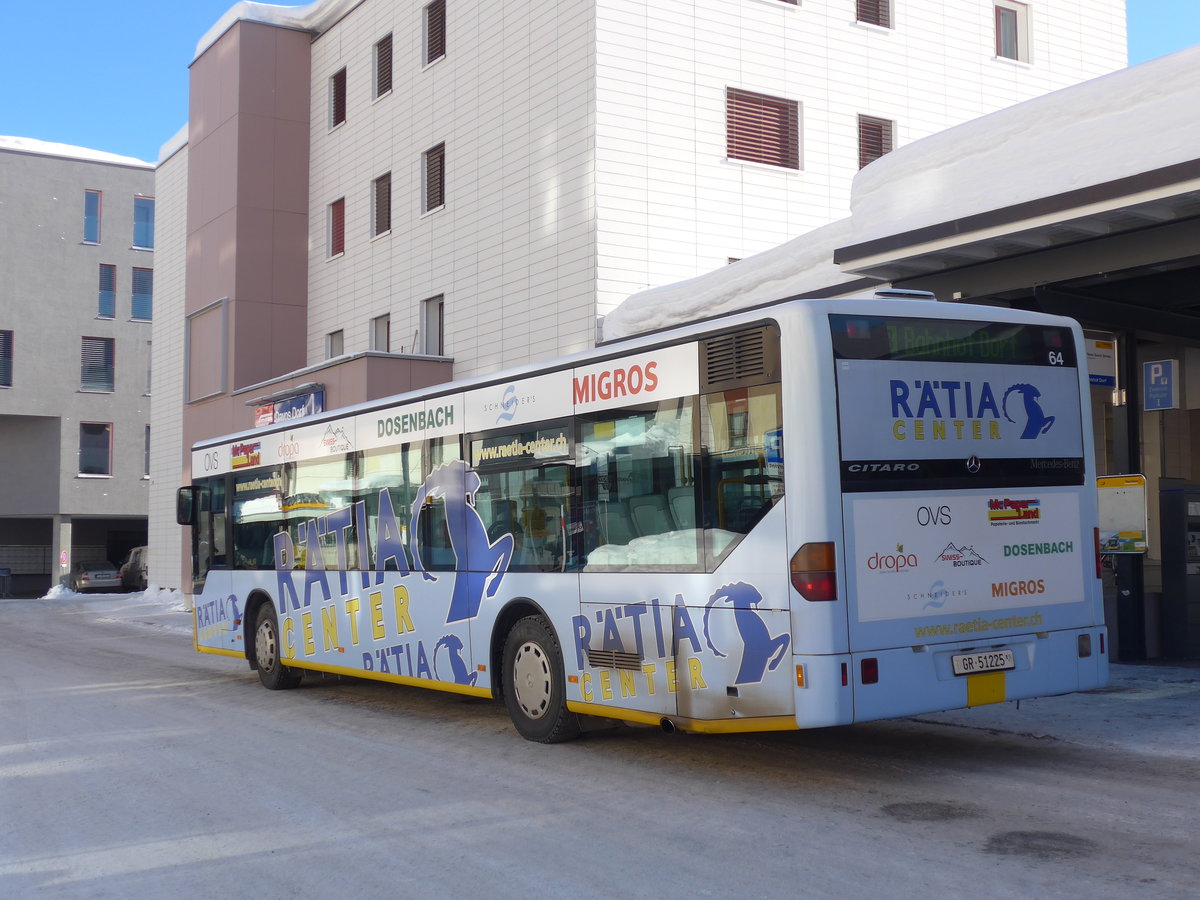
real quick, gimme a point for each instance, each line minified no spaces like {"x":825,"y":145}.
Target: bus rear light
{"x":800,"y":677}
{"x":869,"y":669}
{"x":814,"y":571}
{"x":1099,"y":558}
{"x":1085,"y":646}
{"x":845,"y":675}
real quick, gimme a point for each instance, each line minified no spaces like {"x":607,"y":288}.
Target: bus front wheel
{"x":535,"y":683}
{"x":272,"y":672}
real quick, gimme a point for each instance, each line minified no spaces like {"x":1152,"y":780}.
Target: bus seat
{"x":682,"y":502}
{"x":650,"y":514}
{"x":615,"y":523}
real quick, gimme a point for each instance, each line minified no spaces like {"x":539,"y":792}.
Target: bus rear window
{"x":928,"y":403}
{"x":951,"y":340}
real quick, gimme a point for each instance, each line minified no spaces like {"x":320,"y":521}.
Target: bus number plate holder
{"x":983,"y":661}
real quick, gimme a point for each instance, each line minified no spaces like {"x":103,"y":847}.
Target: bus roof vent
{"x":740,"y":359}
{"x":901,"y":294}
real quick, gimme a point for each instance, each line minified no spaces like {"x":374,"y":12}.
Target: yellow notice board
{"x":1122,"y":502}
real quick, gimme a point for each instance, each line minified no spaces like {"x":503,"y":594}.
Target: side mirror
{"x":185,"y":505}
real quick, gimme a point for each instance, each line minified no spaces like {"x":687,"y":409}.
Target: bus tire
{"x":274,"y":675}
{"x":535,"y":683}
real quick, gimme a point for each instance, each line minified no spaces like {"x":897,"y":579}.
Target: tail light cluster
{"x":814,"y":571}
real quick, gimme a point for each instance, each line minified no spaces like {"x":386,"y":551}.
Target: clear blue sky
{"x":112,"y":74}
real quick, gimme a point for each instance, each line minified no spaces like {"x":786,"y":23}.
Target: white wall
{"x":585,"y":147}
{"x":165,"y":538}
{"x":671,"y":206}
{"x":513,"y":249}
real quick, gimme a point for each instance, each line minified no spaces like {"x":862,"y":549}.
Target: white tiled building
{"x":534,"y":163}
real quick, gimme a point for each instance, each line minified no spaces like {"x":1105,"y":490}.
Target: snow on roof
{"x":801,"y":265}
{"x":177,"y":142}
{"x":315,"y":17}
{"x":1127,"y":122}
{"x":48,"y":148}
{"x":1124,"y":123}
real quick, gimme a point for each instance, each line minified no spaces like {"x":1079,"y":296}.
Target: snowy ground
{"x":1152,"y":708}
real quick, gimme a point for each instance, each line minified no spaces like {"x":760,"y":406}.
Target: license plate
{"x":983,"y":661}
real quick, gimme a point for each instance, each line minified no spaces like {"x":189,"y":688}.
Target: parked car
{"x":94,"y":576}
{"x":133,"y":572}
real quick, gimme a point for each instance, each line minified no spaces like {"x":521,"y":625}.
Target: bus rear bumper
{"x":923,"y":679}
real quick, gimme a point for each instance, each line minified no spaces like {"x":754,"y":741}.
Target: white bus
{"x":809,"y":514}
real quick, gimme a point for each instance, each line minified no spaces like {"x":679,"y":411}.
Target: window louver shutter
{"x":383,"y":66}
{"x":143,"y":294}
{"x":874,"y":139}
{"x":435,"y":31}
{"x":6,"y":358}
{"x":875,"y":12}
{"x":97,"y":364}
{"x":337,"y":227}
{"x":435,"y":177}
{"x":762,"y":129}
{"x":108,"y":291}
{"x":383,"y":204}
{"x":337,"y":100}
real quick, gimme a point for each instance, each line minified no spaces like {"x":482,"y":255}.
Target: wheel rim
{"x":532,"y":680}
{"x":265,"y":650}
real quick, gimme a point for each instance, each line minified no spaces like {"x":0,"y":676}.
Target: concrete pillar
{"x":60,"y":549}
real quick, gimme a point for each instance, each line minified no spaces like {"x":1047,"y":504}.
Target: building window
{"x":337,"y":98}
{"x":337,"y":227}
{"x":91,"y":216}
{"x":874,"y":139}
{"x":335,"y":344}
{"x":96,"y":370}
{"x":6,"y":358}
{"x":146,"y":455}
{"x":433,"y":326}
{"x":142,"y":306}
{"x":762,"y":129}
{"x":1012,"y":31}
{"x":435,"y":31}
{"x":434,"y":178}
{"x":381,"y":205}
{"x":106,"y":306}
{"x":383,"y":67}
{"x":381,"y":334}
{"x":143,"y":223}
{"x":95,"y":448}
{"x":149,"y":365}
{"x":874,"y":12}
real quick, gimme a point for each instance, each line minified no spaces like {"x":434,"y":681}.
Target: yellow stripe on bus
{"x":701,"y":726}
{"x":449,"y":687}
{"x":221,"y":651}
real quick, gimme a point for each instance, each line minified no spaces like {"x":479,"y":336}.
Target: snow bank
{"x":49,"y":148}
{"x":1125,"y":123}
{"x":163,"y":609}
{"x":802,"y":265}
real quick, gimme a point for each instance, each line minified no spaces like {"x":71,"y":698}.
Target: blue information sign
{"x":1160,"y":384}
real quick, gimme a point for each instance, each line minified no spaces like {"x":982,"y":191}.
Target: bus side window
{"x":743,"y":461}
{"x":637,"y":479}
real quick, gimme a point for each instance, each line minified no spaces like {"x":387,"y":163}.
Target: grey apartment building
{"x":76,"y":306}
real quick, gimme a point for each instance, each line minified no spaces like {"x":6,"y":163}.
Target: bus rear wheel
{"x":274,"y":675}
{"x":535,"y":683}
